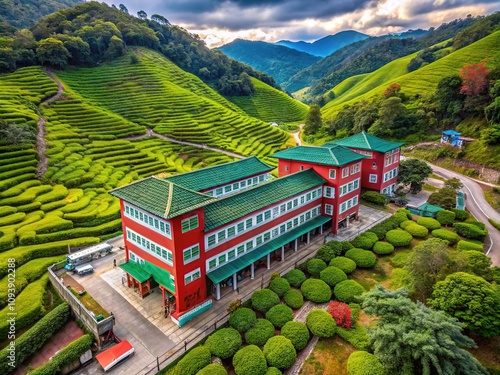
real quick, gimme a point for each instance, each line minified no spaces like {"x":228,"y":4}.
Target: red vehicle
{"x":114,"y":355}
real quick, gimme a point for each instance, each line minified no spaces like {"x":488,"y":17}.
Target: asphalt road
{"x":479,"y":207}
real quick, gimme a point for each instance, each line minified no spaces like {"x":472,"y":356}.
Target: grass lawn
{"x":329,"y":357}
{"x":92,"y":305}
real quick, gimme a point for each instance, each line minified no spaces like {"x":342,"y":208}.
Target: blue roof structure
{"x":451,"y":132}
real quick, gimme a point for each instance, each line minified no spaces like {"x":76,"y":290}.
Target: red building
{"x":194,"y":233}
{"x":380,"y":168}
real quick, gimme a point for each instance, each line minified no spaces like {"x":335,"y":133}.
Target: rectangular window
{"x":282,"y":228}
{"x":355,"y":168}
{"x":267,"y":215}
{"x":221,"y":236}
{"x":243,"y":184}
{"x":236,"y":186}
{"x":332,"y":174}
{"x":218,"y":191}
{"x":286,"y":168}
{"x":227,"y":189}
{"x":261,"y":178}
{"x":314,"y":194}
{"x":191,"y":276}
{"x":267,"y":236}
{"x":222,"y":259}
{"x":308,"y":215}
{"x":328,"y":209}
{"x":211,"y":240}
{"x":295,"y":202}
{"x":249,"y":245}
{"x":259,"y":218}
{"x":329,"y":192}
{"x":231,"y":231}
{"x":189,"y":223}
{"x":282,"y":208}
{"x":295,"y":221}
{"x":240,"y":250}
{"x":241,"y":227}
{"x":289,"y":225}
{"x":258,"y":240}
{"x":289,"y":206}
{"x":373,"y":178}
{"x":212,"y":263}
{"x":231,"y":254}
{"x":342,"y":207}
{"x":191,"y":253}
{"x":345,"y":172}
{"x":248,"y":223}
{"x":255,"y":180}
{"x":308,"y":196}
{"x":302,"y":199}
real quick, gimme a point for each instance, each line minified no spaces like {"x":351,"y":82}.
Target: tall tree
{"x":313,"y":120}
{"x":413,"y":172}
{"x":123,"y":8}
{"x":410,"y":338}
{"x":142,"y":15}
{"x":52,"y":52}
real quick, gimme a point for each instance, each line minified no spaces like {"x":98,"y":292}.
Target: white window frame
{"x":348,"y":204}
{"x":331,"y":173}
{"x":345,"y":172}
{"x":190,"y":251}
{"x":329,"y":209}
{"x":190,"y":276}
{"x":349,"y":187}
{"x":373,"y":178}
{"x":149,"y":246}
{"x":188,"y":220}
{"x":329,"y":192}
{"x":355,"y":168}
{"x":145,"y":218}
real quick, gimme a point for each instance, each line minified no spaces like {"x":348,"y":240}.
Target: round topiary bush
{"x":297,"y":333}
{"x":364,"y":363}
{"x":196,"y":359}
{"x":346,"y":245}
{"x":315,"y":266}
{"x":362,"y":258}
{"x":224,"y":342}
{"x":405,"y":223}
{"x":243,"y":319}
{"x":417,"y":230}
{"x":262,"y":331}
{"x":280,"y":314}
{"x":345,"y":264}
{"x":279,"y":352}
{"x":429,"y":222}
{"x":273,"y":371}
{"x":250,"y":361}
{"x":264,"y":299}
{"x":347,"y":291}
{"x":365,"y":240}
{"x":329,"y":250}
{"x":383,"y":248}
{"x":320,"y":323}
{"x":468,"y":245}
{"x":316,"y":290}
{"x":296,"y":277}
{"x":332,"y":276}
{"x":460,"y":215}
{"x":446,"y":235}
{"x":212,"y":369}
{"x":398,"y":237}
{"x":294,"y":299}
{"x":279,"y":286}
{"x":445,"y":217}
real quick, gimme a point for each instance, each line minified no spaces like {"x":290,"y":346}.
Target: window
{"x":267,"y":215}
{"x":222,"y":259}
{"x":248,"y":223}
{"x":332,"y":174}
{"x":329,"y":192}
{"x":191,"y":253}
{"x":286,"y":168}
{"x":255,"y":180}
{"x":189,"y":223}
{"x":231,"y":254}
{"x":350,"y":186}
{"x":373,"y":178}
{"x":258,"y":240}
{"x":355,"y":168}
{"x":227,"y":189}
{"x":261,"y":178}
{"x":301,"y":167}
{"x":212,"y":263}
{"x":295,"y":202}
{"x":211,"y":240}
{"x":241,"y":227}
{"x":249,"y":245}
{"x":328,"y":209}
{"x":236,"y":186}
{"x":191,"y":276}
{"x":243,"y":184}
{"x":231,"y":231}
{"x":259,"y":218}
{"x":218,"y":191}
{"x":345,"y":172}
{"x":240,"y":250}
{"x":221,"y":236}
{"x":267,"y":236}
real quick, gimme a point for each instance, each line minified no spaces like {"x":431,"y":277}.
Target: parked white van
{"x":82,"y":270}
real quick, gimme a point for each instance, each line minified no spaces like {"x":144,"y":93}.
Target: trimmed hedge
{"x":357,"y":336}
{"x":347,"y":291}
{"x":374,"y":197}
{"x":294,"y":299}
{"x":262,"y":331}
{"x":445,"y":217}
{"x":429,"y":222}
{"x":383,"y":248}
{"x":273,"y":371}
{"x":250,"y":360}
{"x":365,"y":240}
{"x":297,"y":333}
{"x":195,"y":360}
{"x":460,"y":215}
{"x":224,"y":342}
{"x":264,"y":299}
{"x":346,"y":245}
{"x":243,"y":319}
{"x":405,"y":223}
{"x":362,"y":258}
{"x":332,"y":276}
{"x":345,"y":264}
{"x":212,"y":369}
{"x":329,"y":251}
{"x":398,"y":237}
{"x":446,"y":235}
{"x":296,"y":277}
{"x":279,"y":286}
{"x":315,"y":266}
{"x":476,"y":223}
{"x":280,"y":314}
{"x":468,"y":245}
{"x":364,"y":363}
{"x":279,"y":352}
{"x":417,"y":230}
{"x":470,"y":230}
{"x":316,"y":290}
{"x":320,"y":323}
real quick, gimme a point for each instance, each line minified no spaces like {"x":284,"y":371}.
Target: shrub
{"x":249,"y":361}
{"x":294,"y":299}
{"x":279,"y":352}
{"x":467,"y":245}
{"x":357,"y":336}
{"x":469,"y":230}
{"x":273,"y":371}
{"x":445,"y":217}
{"x":233,"y":306}
{"x":295,"y":277}
{"x":297,"y":333}
{"x":320,"y":323}
{"x":262,"y":331}
{"x":329,"y":251}
{"x":264,"y":299}
{"x":476,"y":223}
{"x":274,"y":275}
{"x":365,"y":240}
{"x":279,"y":286}
{"x":316,"y":290}
{"x":374,"y":197}
{"x":398,"y":237}
{"x":243,"y":319}
{"x":341,"y":313}
{"x":224,"y":342}
{"x":446,"y":235}
{"x":417,"y":230}
{"x":383,"y":248}
{"x":429,"y":223}
{"x":460,"y":215}
{"x":382,"y":228}
{"x":345,"y":264}
{"x":362,"y":258}
{"x":212,"y":369}
{"x":346,"y":245}
{"x":332,"y":276}
{"x":405,"y":223}
{"x":280,"y":314}
{"x":364,"y":363}
{"x":315,"y":266}
{"x":348,"y":290}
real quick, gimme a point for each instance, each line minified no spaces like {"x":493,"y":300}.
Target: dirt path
{"x":41,"y":146}
{"x":296,"y":135}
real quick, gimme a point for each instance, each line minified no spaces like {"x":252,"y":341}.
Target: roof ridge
{"x":333,"y":155}
{"x":170,"y":195}
{"x":366,"y":139}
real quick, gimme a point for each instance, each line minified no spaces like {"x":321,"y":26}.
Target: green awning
{"x":430,"y":208}
{"x":227,"y":270}
{"x":143,"y":272}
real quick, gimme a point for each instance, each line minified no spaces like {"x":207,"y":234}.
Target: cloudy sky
{"x":221,"y":21}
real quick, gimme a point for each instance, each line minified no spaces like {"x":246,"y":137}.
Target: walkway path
{"x":296,"y":135}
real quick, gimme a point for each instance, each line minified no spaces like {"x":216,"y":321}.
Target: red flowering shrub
{"x":341,"y":313}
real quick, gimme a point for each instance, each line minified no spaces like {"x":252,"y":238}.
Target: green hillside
{"x":269,"y":104}
{"x":423,"y":81}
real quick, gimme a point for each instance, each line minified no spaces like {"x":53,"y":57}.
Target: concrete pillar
{"x":217,"y":291}
{"x":252,"y":271}
{"x":282,"y":253}
{"x":269,"y":261}
{"x":235,"y":281}
{"x":296,"y":244}
{"x":308,"y":237}
{"x":321,"y":229}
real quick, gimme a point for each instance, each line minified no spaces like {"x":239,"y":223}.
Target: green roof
{"x":238,"y":205}
{"x":430,"y":207}
{"x":365,"y":141}
{"x":142,"y":272}
{"x":333,"y":155}
{"x":162,"y":198}
{"x":206,"y":178}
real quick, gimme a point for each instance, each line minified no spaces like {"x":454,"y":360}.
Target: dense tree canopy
{"x":313,"y":120}
{"x":413,"y":172}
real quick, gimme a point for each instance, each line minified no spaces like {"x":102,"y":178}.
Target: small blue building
{"x":454,"y":138}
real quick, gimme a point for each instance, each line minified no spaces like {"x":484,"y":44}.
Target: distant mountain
{"x":279,"y":62}
{"x":327,"y":45}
